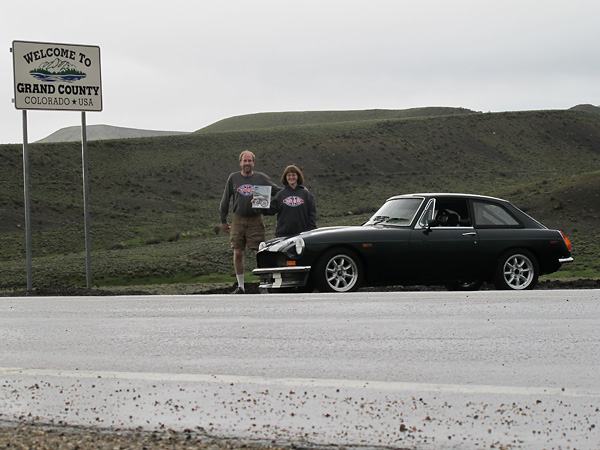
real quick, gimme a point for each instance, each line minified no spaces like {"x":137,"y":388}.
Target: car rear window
{"x":491,"y":214}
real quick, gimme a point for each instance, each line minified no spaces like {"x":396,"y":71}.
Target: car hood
{"x":326,"y":230}
{"x":331,"y":231}
{"x":340,"y":234}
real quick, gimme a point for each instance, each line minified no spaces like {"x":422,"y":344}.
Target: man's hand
{"x":225,"y":227}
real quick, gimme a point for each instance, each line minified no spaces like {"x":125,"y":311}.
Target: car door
{"x":447,"y":250}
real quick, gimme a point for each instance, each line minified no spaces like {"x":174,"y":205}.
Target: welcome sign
{"x":57,"y":76}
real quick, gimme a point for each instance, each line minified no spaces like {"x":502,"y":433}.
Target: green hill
{"x":587,"y":108}
{"x":154,"y":201}
{"x":305,"y":118}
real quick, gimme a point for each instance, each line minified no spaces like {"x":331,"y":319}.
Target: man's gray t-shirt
{"x":242,"y":190}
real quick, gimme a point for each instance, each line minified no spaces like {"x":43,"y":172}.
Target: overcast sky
{"x":182,"y":65}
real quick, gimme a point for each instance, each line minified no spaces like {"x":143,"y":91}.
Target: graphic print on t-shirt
{"x":246,"y":189}
{"x":293,"y":201}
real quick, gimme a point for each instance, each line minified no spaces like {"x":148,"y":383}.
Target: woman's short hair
{"x":294,"y":169}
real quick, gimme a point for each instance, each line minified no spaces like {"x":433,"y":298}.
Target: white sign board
{"x":57,"y":76}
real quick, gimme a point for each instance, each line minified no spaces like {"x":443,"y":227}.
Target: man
{"x":247,"y":226}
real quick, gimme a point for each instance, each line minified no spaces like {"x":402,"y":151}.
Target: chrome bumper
{"x":282,"y":277}
{"x":565,"y":260}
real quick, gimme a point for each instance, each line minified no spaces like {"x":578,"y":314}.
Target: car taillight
{"x":567,"y":241}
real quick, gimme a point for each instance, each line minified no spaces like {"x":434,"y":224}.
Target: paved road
{"x":427,"y":370}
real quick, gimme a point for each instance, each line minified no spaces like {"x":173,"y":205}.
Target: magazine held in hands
{"x":261,"y":197}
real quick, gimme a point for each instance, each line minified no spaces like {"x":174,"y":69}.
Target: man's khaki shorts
{"x":248,"y":231}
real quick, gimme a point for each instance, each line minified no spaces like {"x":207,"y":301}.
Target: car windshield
{"x":398,"y":211}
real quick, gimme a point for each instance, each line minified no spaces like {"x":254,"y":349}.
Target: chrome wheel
{"x":517,"y":271}
{"x":338,"y":271}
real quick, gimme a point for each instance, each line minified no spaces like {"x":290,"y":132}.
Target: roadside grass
{"x":566,"y":274}
{"x":193,"y":261}
{"x":180,"y":278}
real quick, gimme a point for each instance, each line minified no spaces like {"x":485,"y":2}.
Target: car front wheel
{"x":338,"y":270}
{"x":517,"y":270}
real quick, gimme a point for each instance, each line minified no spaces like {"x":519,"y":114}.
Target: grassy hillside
{"x":304,"y":118}
{"x":95,"y":132}
{"x":154,"y":201}
{"x":587,"y":108}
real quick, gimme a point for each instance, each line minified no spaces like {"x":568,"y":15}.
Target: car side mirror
{"x":431,"y":223}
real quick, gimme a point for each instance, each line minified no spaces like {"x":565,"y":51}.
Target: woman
{"x":294,"y":205}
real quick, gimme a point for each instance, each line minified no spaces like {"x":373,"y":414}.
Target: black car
{"x":455,"y":240}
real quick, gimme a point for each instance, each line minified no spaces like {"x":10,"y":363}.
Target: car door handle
{"x":470,"y":233}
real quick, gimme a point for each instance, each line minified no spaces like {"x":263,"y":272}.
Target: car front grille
{"x":270,"y":259}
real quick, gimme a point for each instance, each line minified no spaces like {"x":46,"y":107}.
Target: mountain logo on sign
{"x":57,"y":70}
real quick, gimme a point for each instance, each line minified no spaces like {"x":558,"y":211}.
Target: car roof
{"x":524,"y":217}
{"x":447,"y":194}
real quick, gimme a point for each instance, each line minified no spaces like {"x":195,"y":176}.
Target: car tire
{"x":517,"y":270}
{"x":338,"y":270}
{"x":465,"y":285}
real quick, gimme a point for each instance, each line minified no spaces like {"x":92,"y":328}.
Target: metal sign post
{"x":27,"y":205}
{"x":86,"y":211}
{"x":62,"y":77}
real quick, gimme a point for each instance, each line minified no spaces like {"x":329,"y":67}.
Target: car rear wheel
{"x":338,"y":270}
{"x":517,"y":270}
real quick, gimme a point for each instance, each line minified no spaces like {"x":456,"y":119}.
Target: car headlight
{"x":283,"y":245}
{"x":299,"y":244}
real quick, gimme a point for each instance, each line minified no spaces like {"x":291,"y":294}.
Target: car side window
{"x":446,"y":212}
{"x":491,"y":214}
